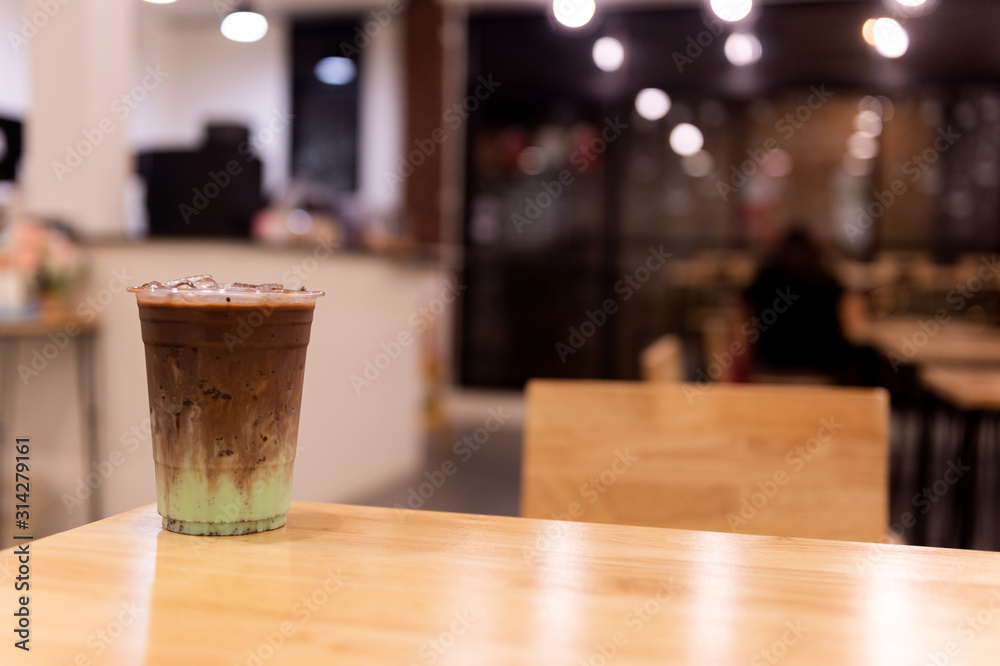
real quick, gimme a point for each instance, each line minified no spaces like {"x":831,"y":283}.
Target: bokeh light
{"x":609,"y":54}
{"x":652,"y":103}
{"x":686,"y":139}
{"x":574,"y":13}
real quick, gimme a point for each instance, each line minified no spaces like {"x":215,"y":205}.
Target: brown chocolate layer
{"x":225,"y":385}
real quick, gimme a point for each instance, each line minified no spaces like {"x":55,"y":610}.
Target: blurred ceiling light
{"x":686,"y":139}
{"x":652,"y":103}
{"x":891,"y":39}
{"x":573,"y":13}
{"x":609,"y":54}
{"x":911,"y":7}
{"x":868,"y":122}
{"x":862,"y":145}
{"x":868,"y":31}
{"x":731,"y":10}
{"x":742,"y":49}
{"x":335,"y":71}
{"x":244,"y":26}
{"x":698,"y":165}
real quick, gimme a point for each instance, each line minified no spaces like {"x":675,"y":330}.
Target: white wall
{"x":76,"y":159}
{"x":383,"y":109}
{"x":13,"y":61}
{"x":350,"y":445}
{"x":214,"y":79}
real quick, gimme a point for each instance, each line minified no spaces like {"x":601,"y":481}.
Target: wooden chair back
{"x":797,"y":461}
{"x":663,"y":360}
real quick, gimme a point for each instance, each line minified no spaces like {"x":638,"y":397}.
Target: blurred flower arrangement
{"x":40,"y":263}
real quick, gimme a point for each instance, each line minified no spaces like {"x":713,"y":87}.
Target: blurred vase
{"x":51,"y":307}
{"x":15,"y":300}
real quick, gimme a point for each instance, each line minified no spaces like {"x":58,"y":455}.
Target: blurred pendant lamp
{"x":244,"y":24}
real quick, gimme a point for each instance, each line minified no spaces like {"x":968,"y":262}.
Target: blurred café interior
{"x":794,"y":192}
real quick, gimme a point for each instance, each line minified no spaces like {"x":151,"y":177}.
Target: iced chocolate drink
{"x":224,"y":368}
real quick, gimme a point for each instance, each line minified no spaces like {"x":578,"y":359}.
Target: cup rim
{"x":177,"y":295}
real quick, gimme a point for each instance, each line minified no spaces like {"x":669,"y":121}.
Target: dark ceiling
{"x":803,"y":44}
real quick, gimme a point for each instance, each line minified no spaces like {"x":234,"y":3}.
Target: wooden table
{"x":967,"y":387}
{"x":974,"y":394}
{"x":362,"y":586}
{"x":912,"y":340}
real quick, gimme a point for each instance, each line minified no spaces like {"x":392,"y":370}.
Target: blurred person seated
{"x":794,"y":325}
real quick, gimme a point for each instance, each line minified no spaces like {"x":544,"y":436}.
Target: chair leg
{"x":969,"y":485}
{"x":925,"y":463}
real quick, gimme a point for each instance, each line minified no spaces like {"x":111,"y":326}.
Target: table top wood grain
{"x":365,"y":586}
{"x":970,"y":388}
{"x":918,"y":340}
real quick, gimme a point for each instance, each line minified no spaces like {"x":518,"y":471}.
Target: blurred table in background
{"x":912,"y":340}
{"x":970,"y":398}
{"x":936,"y":413}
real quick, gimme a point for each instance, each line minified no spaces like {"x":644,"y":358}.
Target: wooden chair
{"x":800,"y":461}
{"x":663,"y":360}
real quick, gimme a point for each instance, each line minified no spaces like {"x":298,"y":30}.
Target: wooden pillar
{"x":424,"y":54}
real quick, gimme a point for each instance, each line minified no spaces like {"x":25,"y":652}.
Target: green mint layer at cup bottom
{"x":192,"y":504}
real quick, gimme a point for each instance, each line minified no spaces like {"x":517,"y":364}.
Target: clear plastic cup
{"x":224,"y":371}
